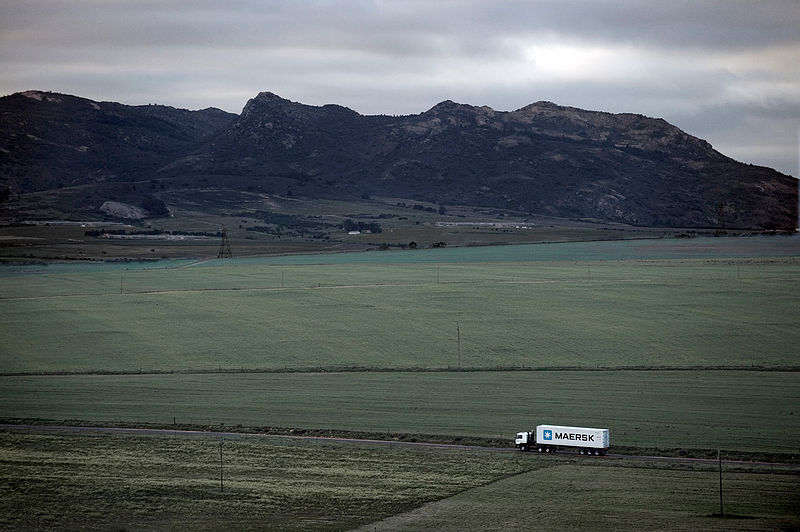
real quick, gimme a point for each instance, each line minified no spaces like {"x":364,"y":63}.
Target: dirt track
{"x":223,"y":434}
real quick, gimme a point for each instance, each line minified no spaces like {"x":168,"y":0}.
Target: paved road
{"x":361,"y":441}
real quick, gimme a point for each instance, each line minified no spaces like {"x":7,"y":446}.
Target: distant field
{"x":79,"y":481}
{"x":259,"y":225}
{"x":736,"y":410}
{"x":733,"y":304}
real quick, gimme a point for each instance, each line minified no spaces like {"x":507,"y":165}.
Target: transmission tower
{"x":225,"y":246}
{"x":720,"y":220}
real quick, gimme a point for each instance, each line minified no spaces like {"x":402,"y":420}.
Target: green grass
{"x":579,"y":497}
{"x":723,"y":302}
{"x":514,"y":306}
{"x":734,"y":410}
{"x":122,"y":482}
{"x":662,"y":303}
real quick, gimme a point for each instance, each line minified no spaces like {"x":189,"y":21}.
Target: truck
{"x":551,"y":438}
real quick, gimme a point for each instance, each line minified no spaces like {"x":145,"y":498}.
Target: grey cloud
{"x":763,"y":133}
{"x":400,"y":27}
{"x":383,"y":56}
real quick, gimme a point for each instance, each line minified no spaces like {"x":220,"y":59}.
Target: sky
{"x":727,"y":71}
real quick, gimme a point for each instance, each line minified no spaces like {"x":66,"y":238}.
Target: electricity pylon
{"x":225,"y":246}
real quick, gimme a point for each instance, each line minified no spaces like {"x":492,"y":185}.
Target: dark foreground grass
{"x":588,"y":496}
{"x":105,"y":481}
{"x":69,"y":481}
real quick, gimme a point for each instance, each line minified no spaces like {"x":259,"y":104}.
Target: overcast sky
{"x":727,"y":71}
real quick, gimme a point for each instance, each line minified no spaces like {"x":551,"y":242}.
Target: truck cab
{"x":524,"y":440}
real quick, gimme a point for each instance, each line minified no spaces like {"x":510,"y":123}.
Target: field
{"x":688,"y":344}
{"x":120,"y":482}
{"x":68,"y":481}
{"x":649,"y":409}
{"x":223,"y":333}
{"x":603,"y":497}
{"x":708,"y":303}
{"x":259,"y":225}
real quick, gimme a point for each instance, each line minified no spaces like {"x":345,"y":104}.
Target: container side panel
{"x":572,"y":436}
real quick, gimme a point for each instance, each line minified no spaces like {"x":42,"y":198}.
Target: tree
{"x":155,"y":206}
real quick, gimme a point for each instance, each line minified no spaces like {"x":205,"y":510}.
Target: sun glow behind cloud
{"x":580,"y":62}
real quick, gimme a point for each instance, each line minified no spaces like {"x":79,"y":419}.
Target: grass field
{"x":661,"y":304}
{"x":126,"y":482}
{"x":599,"y":497}
{"x":735,"y":410}
{"x":657,"y":304}
{"x":552,"y":305}
{"x":68,"y":481}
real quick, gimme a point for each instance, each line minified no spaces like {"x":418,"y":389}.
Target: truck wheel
{"x":597,"y":452}
{"x":523,"y":448}
{"x":539,"y":449}
{"x":547,"y":449}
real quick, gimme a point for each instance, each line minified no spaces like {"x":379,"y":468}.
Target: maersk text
{"x":571,"y":436}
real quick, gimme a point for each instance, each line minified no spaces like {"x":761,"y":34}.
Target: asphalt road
{"x":223,"y":434}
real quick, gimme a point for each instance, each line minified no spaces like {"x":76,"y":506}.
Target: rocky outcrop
{"x":117,"y":209}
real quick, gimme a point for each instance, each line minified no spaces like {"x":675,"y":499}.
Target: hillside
{"x":54,"y":140}
{"x":542,"y":159}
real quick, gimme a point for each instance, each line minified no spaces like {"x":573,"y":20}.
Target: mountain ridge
{"x":541,"y":158}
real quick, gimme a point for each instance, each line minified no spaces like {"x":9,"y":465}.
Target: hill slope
{"x":50,"y":140}
{"x":541,"y":159}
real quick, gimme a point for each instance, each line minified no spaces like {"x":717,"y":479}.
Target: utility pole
{"x":221,"y":487}
{"x":719,"y":457}
{"x":721,"y":230}
{"x":458,"y":336}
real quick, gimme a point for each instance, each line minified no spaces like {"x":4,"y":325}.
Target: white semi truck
{"x":549,"y":438}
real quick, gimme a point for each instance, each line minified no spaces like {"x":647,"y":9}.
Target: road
{"x":361,"y":441}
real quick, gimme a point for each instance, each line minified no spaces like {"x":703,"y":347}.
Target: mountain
{"x":50,"y":140}
{"x":540,"y":159}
